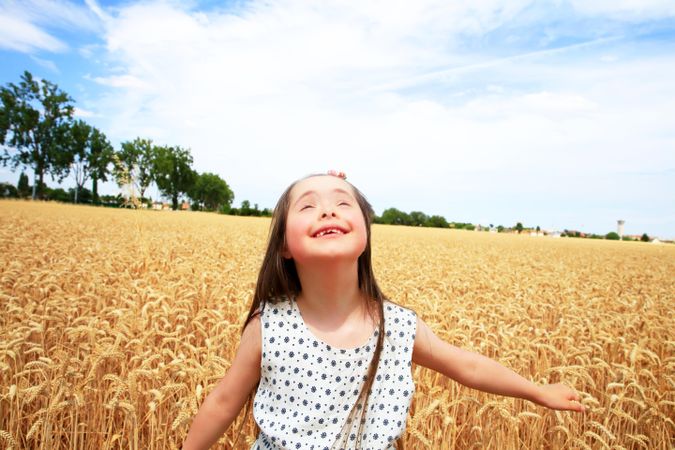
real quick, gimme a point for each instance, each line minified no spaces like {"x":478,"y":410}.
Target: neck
{"x":330,"y":291}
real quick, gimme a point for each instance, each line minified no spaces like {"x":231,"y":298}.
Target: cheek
{"x":363,"y":235}
{"x":295,"y":231}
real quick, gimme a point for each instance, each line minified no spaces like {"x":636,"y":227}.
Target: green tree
{"x":84,"y":195}
{"x":519,"y":227}
{"x":612,"y":236}
{"x":8,"y":190}
{"x":58,"y":194}
{"x":211,"y":192}
{"x":100,"y":159}
{"x":91,"y":156}
{"x":392,"y":216}
{"x":172,"y":171}
{"x":245,"y":208}
{"x":645,"y":237}
{"x":418,"y":218}
{"x":437,"y":221}
{"x":23,"y":187}
{"x":79,"y":141}
{"x":34,"y":121}
{"x":138,"y":157}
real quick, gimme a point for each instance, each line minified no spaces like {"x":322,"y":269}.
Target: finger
{"x":576,"y":406}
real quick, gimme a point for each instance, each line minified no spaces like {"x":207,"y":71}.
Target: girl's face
{"x":324,"y":221}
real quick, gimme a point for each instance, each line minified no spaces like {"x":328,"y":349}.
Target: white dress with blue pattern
{"x":307,"y":387}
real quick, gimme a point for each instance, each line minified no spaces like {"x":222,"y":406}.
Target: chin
{"x":329,"y":257}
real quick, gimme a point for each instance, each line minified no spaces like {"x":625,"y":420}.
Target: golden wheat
{"x":118,"y":323}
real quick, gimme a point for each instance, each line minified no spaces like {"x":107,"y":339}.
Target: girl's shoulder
{"x":400,"y":325}
{"x":274,"y":307}
{"x":393,"y":308}
{"x":399,"y":316}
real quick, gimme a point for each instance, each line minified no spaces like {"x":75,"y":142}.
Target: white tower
{"x":619,"y":228}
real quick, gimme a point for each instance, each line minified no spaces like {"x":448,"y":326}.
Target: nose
{"x":328,"y":210}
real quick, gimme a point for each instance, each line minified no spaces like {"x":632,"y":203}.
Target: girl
{"x":328,"y":355}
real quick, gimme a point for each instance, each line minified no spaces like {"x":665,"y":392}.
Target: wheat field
{"x":117,"y":323}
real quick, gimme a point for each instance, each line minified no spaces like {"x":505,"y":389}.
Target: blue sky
{"x":551,"y":113}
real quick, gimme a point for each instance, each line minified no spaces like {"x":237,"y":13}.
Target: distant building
{"x":619,"y":228}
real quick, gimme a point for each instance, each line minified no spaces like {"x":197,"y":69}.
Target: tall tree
{"x":138,"y":156}
{"x":100,"y":158}
{"x":91,"y":155}
{"x":23,"y":186}
{"x":79,"y":142}
{"x":34,"y":121}
{"x":211,"y":192}
{"x":172,"y":171}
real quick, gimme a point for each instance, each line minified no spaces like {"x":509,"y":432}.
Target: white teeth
{"x":330,"y":230}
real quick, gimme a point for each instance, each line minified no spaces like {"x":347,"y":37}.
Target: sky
{"x":556,"y":114}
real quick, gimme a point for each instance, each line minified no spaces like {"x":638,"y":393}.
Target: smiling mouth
{"x":328,"y":231}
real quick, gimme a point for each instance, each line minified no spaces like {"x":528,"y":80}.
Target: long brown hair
{"x":278,"y":280}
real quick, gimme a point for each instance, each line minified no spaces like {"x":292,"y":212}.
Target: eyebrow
{"x":305,"y":194}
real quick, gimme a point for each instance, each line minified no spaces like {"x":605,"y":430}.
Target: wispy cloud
{"x":46,"y":63}
{"x":26,"y":26}
{"x":626,"y":10}
{"x":121,"y":81}
{"x":83,"y":113}
{"x":432,"y":105}
{"x":22,"y":36}
{"x":440,"y":74}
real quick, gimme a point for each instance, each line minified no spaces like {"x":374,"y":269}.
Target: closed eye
{"x":305,"y":207}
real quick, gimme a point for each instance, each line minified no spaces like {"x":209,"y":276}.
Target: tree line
{"x":393,"y":216}
{"x":39,"y":133}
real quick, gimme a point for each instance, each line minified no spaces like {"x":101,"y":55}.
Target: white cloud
{"x":121,"y":81}
{"x":23,"y":24}
{"x":53,"y":13}
{"x":388,"y":93}
{"x":22,"y":36}
{"x":96,"y":9}
{"x":628,"y":10}
{"x":83,"y":113}
{"x":46,"y":63}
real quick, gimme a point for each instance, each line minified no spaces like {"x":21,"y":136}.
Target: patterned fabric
{"x":308,"y":387}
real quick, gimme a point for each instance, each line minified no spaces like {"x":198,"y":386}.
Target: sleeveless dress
{"x":307,"y":387}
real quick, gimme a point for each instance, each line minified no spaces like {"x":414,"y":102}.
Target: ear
{"x":285,"y":253}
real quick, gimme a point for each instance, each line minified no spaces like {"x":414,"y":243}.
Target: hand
{"x":559,"y":396}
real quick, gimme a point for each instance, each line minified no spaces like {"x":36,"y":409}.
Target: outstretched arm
{"x":485,"y":374}
{"x":223,"y":404}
